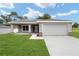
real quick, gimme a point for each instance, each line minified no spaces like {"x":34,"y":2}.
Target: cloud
{"x":2,"y":12}
{"x":62,"y":4}
{"x":68,"y":13}
{"x":45,"y":5}
{"x":7,"y":5}
{"x":32,"y":13}
{"x":53,"y":16}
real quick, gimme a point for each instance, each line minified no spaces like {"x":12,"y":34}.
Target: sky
{"x":62,"y":11}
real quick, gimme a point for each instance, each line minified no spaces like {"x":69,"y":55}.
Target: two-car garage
{"x":56,"y":28}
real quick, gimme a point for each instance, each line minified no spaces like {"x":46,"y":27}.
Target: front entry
{"x":25,"y":28}
{"x":35,"y":28}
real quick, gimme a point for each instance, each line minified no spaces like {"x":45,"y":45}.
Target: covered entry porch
{"x":28,"y":28}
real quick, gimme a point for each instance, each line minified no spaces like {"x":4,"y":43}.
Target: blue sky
{"x":64,"y":11}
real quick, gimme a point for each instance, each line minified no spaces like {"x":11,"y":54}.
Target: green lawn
{"x":75,"y":32}
{"x":21,"y":45}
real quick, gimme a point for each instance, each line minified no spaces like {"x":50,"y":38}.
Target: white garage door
{"x":54,"y":29}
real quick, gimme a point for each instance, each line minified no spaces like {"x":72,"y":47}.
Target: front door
{"x":25,"y":28}
{"x":35,"y":28}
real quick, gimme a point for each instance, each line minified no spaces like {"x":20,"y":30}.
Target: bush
{"x":75,"y":25}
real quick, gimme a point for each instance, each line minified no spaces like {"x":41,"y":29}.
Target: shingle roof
{"x":40,"y":20}
{"x":34,"y":21}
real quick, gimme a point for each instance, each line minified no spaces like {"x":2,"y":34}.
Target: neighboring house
{"x":43,"y":27}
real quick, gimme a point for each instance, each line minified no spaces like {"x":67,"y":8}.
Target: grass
{"x":75,"y":29}
{"x":21,"y":45}
{"x":75,"y":32}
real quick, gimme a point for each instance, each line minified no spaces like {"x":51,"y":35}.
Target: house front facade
{"x":42,"y":27}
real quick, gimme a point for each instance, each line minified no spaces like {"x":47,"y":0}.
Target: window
{"x":25,"y":28}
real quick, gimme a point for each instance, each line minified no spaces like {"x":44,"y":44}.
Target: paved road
{"x":4,"y":29}
{"x":62,"y":45}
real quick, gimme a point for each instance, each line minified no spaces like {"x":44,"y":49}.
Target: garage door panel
{"x":52,"y":29}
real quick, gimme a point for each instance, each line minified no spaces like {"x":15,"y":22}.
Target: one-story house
{"x":42,"y":27}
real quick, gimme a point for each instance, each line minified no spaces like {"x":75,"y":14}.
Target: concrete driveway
{"x":62,"y":45}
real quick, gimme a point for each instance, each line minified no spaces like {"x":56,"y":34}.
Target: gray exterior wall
{"x":20,"y":28}
{"x":40,"y":27}
{"x":14,"y":28}
{"x":69,"y":27}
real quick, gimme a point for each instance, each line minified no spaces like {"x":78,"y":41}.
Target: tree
{"x":45,"y":16}
{"x":39,"y":17}
{"x":25,"y":17}
{"x":10,"y":17}
{"x":22,"y":18}
{"x":5,"y":18}
{"x":75,"y":25}
{"x":1,"y":21}
{"x":13,"y":16}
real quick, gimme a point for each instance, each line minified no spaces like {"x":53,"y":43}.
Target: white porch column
{"x":11,"y":28}
{"x":29,"y":28}
{"x":16,"y":29}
